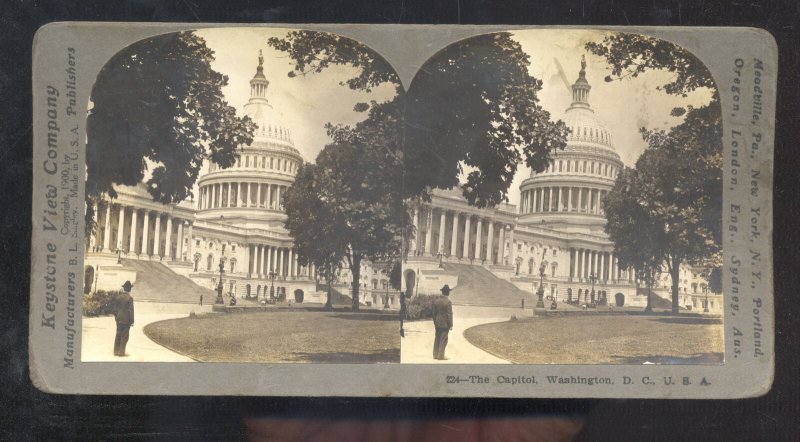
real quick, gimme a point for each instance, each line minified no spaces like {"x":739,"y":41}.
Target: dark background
{"x":27,"y":413}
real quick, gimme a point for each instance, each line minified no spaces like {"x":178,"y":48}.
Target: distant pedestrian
{"x":201,"y":299}
{"x":442,"y":321}
{"x":123,"y":317}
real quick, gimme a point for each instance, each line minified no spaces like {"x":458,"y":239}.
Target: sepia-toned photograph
{"x":233,"y":210}
{"x":566,"y":194}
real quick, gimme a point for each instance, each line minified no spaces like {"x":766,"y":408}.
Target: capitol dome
{"x":569,"y":193}
{"x":250,"y":193}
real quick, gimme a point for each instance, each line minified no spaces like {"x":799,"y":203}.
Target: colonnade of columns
{"x":141,"y":232}
{"x":460,"y":235}
{"x":266,"y":259}
{"x":562,"y":199}
{"x":241,"y":194}
{"x":604,"y":266}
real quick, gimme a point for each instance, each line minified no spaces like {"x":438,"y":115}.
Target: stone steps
{"x":156,"y":282}
{"x":478,"y":286}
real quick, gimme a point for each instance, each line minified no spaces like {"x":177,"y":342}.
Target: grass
{"x":603,"y":339}
{"x":290,"y":336}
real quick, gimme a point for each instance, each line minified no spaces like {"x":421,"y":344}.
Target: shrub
{"x":420,"y":307}
{"x":99,"y":303}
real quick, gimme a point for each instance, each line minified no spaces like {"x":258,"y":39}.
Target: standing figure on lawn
{"x":442,"y":321}
{"x":123,"y":315}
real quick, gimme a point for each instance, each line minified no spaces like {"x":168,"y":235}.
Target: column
{"x":258,"y":261}
{"x":278,"y":197}
{"x":602,"y":266}
{"x":179,"y":245}
{"x":501,"y":247}
{"x":534,"y":207}
{"x":269,"y":260}
{"x":454,"y":236}
{"x":228,"y":202}
{"x":550,"y":201}
{"x":490,"y":243}
{"x":429,"y":231}
{"x":190,"y":249}
{"x":289,"y":262}
{"x":467,"y":236}
{"x":511,"y":249}
{"x":269,"y":196}
{"x":412,"y":242}
{"x":572,"y":262}
{"x":280,"y":261}
{"x":168,"y":239}
{"x":145,"y":233}
{"x":442,"y":216}
{"x":296,"y":271}
{"x":258,"y":195}
{"x":107,"y":231}
{"x":586,"y":268}
{"x":120,"y":227}
{"x":569,"y":199}
{"x":157,"y":237}
{"x":213,"y":204}
{"x":560,"y":199}
{"x":478,"y":239}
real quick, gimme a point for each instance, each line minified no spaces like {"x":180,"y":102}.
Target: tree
{"x":636,"y":234}
{"x":309,"y":220}
{"x":681,"y":166}
{"x":350,"y":199}
{"x":158,"y":104}
{"x":471,"y":110}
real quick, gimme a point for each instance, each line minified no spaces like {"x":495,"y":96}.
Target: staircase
{"x":479,"y":286}
{"x":156,"y":282}
{"x":337,"y":297}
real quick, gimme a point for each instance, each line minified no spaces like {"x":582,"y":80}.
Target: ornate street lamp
{"x":272,"y":276}
{"x":540,"y":292}
{"x":705,"y":304}
{"x":219,"y":286}
{"x":593,"y":278}
{"x":440,"y":255}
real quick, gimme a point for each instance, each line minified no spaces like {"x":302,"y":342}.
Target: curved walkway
{"x":97,"y":342}
{"x":417,"y":346}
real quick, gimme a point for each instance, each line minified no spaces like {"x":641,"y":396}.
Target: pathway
{"x":97,"y":344}
{"x":417,"y":346}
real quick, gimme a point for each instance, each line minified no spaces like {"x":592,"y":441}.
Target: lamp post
{"x":705,"y":303}
{"x":593,"y":278}
{"x":440,"y":255}
{"x":272,"y":276}
{"x":540,"y":292}
{"x":219,"y":285}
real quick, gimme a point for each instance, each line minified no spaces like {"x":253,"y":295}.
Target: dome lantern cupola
{"x":581,"y":87}
{"x":259,"y":83}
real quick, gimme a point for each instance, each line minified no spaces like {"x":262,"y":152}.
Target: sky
{"x":308,"y":102}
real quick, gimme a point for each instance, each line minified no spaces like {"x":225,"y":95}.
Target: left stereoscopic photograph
{"x":231,"y":205}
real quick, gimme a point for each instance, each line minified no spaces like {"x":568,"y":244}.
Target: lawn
{"x":603,"y":339}
{"x":283,"y":336}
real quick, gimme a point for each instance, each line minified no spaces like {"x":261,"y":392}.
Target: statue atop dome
{"x":581,"y":87}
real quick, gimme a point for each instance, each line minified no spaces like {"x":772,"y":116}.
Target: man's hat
{"x":127,"y":286}
{"x":446,"y":289}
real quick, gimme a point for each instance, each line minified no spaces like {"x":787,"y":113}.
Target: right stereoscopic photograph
{"x":565,"y":193}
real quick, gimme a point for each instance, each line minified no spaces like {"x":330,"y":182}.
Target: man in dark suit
{"x":124,"y":317}
{"x":443,"y":321}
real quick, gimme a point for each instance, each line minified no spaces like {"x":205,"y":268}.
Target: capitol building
{"x":173,"y":253}
{"x":554,"y":238}
{"x":234,"y":231}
